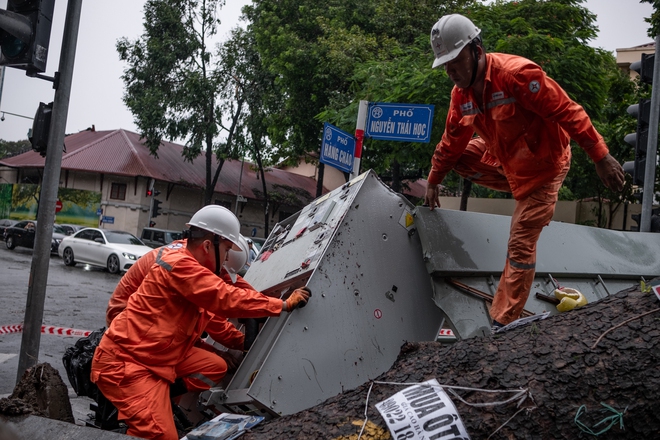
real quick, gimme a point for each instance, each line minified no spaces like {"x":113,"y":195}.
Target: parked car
{"x":155,"y":237}
{"x":258,"y":243}
{"x":23,"y":233}
{"x":5,"y":223}
{"x":115,"y":250}
{"x":71,"y":229}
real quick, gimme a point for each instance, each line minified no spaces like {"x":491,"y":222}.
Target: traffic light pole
{"x":34,"y":309}
{"x":652,"y":145}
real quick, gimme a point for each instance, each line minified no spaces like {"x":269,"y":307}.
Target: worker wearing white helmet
{"x":153,"y":340}
{"x":524,"y":121}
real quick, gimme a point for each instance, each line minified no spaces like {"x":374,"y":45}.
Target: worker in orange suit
{"x":220,"y":329}
{"x":524,"y":121}
{"x":152,"y":341}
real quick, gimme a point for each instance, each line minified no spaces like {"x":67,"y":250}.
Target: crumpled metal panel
{"x":464,"y":243}
{"x":358,"y":250}
{"x":468,"y":248}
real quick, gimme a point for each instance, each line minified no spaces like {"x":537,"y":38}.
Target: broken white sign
{"x":422,"y":411}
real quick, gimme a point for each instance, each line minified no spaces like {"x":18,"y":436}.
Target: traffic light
{"x":644,"y":67}
{"x":642,"y":112}
{"x":38,"y":135}
{"x":155,"y":210}
{"x":25,"y":34}
{"x":152,"y":192}
{"x":639,"y":140}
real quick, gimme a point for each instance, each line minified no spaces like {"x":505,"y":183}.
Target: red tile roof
{"x":121,"y":152}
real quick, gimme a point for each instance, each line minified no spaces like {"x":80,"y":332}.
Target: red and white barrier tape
{"x":49,"y":329}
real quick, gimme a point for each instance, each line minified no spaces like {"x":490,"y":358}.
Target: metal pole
{"x":2,"y":82}
{"x":34,"y":309}
{"x":652,"y":145}
{"x":359,"y":136}
{"x":152,"y":182}
{"x":238,"y":191}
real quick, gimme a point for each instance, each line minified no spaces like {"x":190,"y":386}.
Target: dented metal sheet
{"x":464,"y":243}
{"x":470,"y":248}
{"x":358,"y":251}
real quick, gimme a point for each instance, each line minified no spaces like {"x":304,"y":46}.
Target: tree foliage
{"x":248,"y":93}
{"x":12,"y":148}
{"x":171,"y":88}
{"x":654,"y":19}
{"x":315,"y":50}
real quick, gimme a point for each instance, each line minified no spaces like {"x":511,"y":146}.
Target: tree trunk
{"x":257,"y":155}
{"x":562,"y":361}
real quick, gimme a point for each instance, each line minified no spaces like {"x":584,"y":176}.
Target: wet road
{"x":76,"y":297}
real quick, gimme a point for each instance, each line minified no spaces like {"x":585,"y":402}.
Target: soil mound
{"x":607,"y":352}
{"x":41,"y":392}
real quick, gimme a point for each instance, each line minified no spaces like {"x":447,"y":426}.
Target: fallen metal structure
{"x":464,"y":253}
{"x":357,"y":249}
{"x":383,"y":272}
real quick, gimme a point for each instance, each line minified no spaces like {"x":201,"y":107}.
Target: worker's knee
{"x":208,"y":376}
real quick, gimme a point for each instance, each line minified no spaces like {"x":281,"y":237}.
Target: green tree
{"x":247,"y":89}
{"x":12,"y":148}
{"x":171,"y":88}
{"x":654,"y":19}
{"x":314,"y":49}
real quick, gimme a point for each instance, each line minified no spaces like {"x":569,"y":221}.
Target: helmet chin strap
{"x":475,"y":56}
{"x":216,"y":244}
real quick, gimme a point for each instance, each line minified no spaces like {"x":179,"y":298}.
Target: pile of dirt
{"x":607,"y":352}
{"x":41,"y":392}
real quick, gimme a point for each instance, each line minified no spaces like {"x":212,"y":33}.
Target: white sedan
{"x":115,"y":250}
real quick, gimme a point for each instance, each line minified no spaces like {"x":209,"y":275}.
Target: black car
{"x":5,"y":223}
{"x":23,"y":233}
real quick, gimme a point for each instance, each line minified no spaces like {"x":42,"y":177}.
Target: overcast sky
{"x":96,"y":95}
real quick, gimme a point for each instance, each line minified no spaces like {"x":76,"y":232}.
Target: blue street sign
{"x":399,"y":122}
{"x":107,"y":219}
{"x":338,"y":148}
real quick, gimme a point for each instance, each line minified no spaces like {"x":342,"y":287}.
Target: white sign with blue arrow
{"x":338,"y":148}
{"x":399,"y":122}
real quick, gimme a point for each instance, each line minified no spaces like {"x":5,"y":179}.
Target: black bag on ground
{"x":77,"y":361}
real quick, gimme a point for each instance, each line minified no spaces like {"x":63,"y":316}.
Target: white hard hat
{"x":218,"y":220}
{"x":237,"y":259}
{"x":450,"y":35}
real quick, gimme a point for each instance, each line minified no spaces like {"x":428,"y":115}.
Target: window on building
{"x":118,"y":191}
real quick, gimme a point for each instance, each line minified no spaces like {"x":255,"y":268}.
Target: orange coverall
{"x":524,"y":125}
{"x":220,"y":329}
{"x":152,"y":341}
